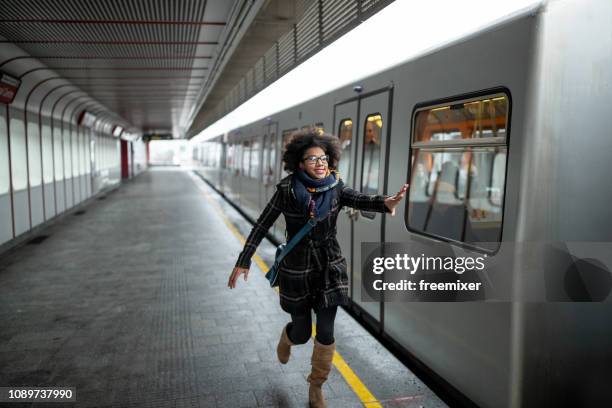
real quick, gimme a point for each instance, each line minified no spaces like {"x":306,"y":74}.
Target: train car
{"x":503,"y":137}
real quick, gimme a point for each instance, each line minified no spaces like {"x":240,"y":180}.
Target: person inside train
{"x":371,"y":154}
{"x":313,"y":275}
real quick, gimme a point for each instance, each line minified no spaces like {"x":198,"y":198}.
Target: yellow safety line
{"x":367,"y":398}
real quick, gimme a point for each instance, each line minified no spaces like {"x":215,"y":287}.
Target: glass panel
{"x":67,"y":155}
{"x":371,"y":154}
{"x":345,"y":133}
{"x":34,"y":154}
{"x":457,"y":193}
{"x":4,"y":158}
{"x":83,"y":151}
{"x":57,"y":152}
{"x":471,"y":119}
{"x":18,"y":155}
{"x":75,"y":154}
{"x":89,"y":140}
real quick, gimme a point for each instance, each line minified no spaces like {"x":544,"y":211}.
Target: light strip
{"x":399,"y":32}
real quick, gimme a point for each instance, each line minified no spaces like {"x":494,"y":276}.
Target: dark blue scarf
{"x":314,"y":196}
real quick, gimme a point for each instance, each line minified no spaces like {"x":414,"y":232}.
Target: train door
{"x":364,"y":121}
{"x":370,"y":172}
{"x":345,"y":125}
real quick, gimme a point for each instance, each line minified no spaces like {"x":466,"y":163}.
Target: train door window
{"x":265,"y":158}
{"x":237,"y":158}
{"x":371,"y":154}
{"x":345,"y":133}
{"x":255,"y":165}
{"x":287,"y":135}
{"x":458,"y":168}
{"x":272,"y":162}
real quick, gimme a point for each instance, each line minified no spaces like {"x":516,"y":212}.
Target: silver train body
{"x":553,"y":66}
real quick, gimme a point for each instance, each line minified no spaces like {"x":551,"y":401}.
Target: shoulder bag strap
{"x":297,"y":238}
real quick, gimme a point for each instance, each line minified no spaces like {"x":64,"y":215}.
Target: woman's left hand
{"x":394,"y":200}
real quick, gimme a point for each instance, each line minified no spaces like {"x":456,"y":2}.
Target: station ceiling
{"x":154,"y":64}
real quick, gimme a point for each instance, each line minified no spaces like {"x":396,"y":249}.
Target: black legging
{"x":299,"y":329}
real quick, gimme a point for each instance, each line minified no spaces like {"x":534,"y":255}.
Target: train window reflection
{"x":371,"y":154}
{"x":345,"y":134}
{"x":456,"y":195}
{"x":458,"y":170}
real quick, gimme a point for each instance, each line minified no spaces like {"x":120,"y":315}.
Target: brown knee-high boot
{"x":283,"y":350}
{"x":321,"y":361}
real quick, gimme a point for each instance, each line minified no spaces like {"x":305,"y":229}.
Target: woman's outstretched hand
{"x":235,"y":274}
{"x":394,"y":200}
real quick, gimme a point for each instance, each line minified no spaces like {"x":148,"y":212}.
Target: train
{"x":503,"y":137}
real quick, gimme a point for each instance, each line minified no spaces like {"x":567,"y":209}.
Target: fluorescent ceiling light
{"x":401,"y":31}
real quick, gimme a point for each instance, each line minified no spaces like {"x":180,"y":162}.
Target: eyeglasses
{"x":313,"y":159}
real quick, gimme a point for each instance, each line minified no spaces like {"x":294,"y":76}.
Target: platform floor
{"x":128,"y":303}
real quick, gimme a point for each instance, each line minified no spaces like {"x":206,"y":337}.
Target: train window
{"x":458,"y":170}
{"x":246,"y":155}
{"x":34,"y":154}
{"x":371,"y":154}
{"x":4,"y":157}
{"x":272,"y":162}
{"x":267,"y":164}
{"x":18,"y":155}
{"x":229,"y":157}
{"x":345,"y":133}
{"x":255,"y":159}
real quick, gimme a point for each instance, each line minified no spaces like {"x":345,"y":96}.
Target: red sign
{"x":8,"y":88}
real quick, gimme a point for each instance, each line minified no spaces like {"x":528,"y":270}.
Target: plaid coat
{"x":314,"y":273}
